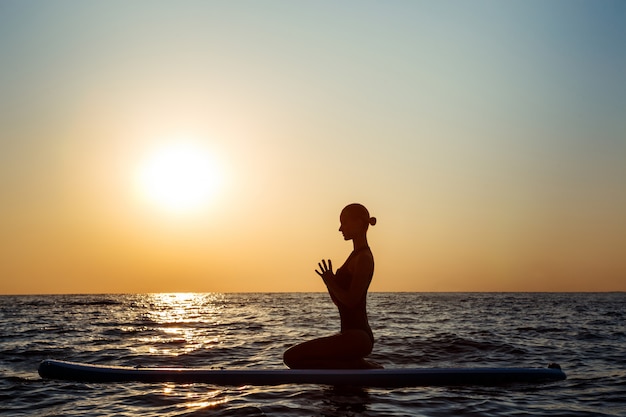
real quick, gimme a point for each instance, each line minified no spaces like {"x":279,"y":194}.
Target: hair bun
{"x":372,"y":221}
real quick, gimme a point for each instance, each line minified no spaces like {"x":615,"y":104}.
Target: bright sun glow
{"x":178,"y":177}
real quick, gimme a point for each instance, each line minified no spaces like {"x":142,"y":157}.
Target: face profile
{"x":354,"y":220}
{"x":349,"y":227}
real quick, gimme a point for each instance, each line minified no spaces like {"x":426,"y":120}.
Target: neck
{"x":359,"y":242}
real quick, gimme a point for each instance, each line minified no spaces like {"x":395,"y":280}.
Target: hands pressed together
{"x":325,"y":270}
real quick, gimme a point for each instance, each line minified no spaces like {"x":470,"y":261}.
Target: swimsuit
{"x":352,"y":318}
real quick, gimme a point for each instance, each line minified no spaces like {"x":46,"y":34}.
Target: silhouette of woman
{"x":348,"y":290}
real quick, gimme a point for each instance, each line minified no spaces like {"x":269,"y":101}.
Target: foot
{"x":371,"y":365}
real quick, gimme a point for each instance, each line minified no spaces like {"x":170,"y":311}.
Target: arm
{"x":361,"y":277}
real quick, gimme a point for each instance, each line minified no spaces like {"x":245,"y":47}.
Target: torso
{"x":353,"y":318}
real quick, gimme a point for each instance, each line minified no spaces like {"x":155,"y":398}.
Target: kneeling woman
{"x":348,"y":290}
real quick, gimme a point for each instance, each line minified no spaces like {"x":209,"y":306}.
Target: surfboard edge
{"x":389,"y":377}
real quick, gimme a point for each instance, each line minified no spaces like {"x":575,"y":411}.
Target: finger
{"x":318,"y":272}
{"x":325,"y":265}
{"x":319,"y":264}
{"x":330,"y":265}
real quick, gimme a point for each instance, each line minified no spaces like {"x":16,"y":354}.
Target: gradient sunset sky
{"x":487,"y":137}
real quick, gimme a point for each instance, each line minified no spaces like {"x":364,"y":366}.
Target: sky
{"x":155,"y":146}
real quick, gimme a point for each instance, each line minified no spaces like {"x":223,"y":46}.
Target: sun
{"x":178,"y":177}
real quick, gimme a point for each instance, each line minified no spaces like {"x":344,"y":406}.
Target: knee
{"x":289,"y":358}
{"x":294,"y":358}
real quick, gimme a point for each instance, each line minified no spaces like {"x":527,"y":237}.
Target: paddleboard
{"x":401,"y":377}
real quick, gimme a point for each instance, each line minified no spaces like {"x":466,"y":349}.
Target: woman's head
{"x":355,"y":219}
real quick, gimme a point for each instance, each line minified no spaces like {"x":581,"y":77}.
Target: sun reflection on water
{"x":181,"y":323}
{"x":179,"y":308}
{"x":194,"y":400}
{"x":206,"y":404}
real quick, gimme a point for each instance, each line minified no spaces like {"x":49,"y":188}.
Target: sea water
{"x":585,"y":333}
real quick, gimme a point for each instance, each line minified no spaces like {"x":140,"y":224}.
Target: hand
{"x":326,"y":270}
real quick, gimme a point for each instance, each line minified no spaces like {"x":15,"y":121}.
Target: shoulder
{"x":363,"y":259}
{"x":365,"y":254}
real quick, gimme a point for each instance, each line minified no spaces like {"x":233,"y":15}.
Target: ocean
{"x":583,"y":332}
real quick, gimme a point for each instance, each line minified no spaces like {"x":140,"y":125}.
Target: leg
{"x":344,"y":350}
